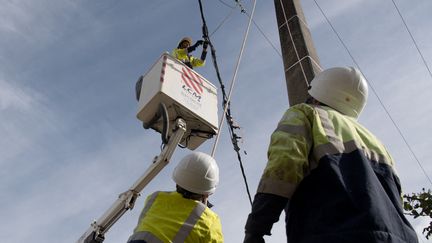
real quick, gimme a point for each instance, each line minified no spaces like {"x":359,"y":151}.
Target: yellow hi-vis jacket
{"x":335,"y":180}
{"x":191,"y":61}
{"x":168,"y":217}
{"x":305,"y":135}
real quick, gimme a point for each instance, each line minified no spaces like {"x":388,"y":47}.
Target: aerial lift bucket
{"x":185,"y":93}
{"x":190,"y":117}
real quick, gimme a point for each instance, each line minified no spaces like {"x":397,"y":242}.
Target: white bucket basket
{"x":186,"y":94}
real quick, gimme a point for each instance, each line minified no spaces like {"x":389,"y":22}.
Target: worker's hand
{"x":199,"y":42}
{"x":205,"y":45}
{"x":194,"y":46}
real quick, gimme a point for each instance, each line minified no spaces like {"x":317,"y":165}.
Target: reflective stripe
{"x":146,"y":236}
{"x":277,"y":187}
{"x":329,"y":129}
{"x":323,"y":149}
{"x":374,"y":156}
{"x":328,"y":148}
{"x":295,"y":130}
{"x":148,"y":205}
{"x":182,"y":233}
{"x":189,"y":224}
{"x":350,"y":146}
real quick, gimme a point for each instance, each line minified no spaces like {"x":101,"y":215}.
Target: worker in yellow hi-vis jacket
{"x":183,"y":215}
{"x":334,"y":179}
{"x":185,"y":47}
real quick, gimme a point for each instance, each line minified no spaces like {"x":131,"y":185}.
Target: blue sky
{"x":70,"y":142}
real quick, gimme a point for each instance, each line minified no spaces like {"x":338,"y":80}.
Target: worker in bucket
{"x":185,"y":47}
{"x":335,"y":180}
{"x":183,"y":215}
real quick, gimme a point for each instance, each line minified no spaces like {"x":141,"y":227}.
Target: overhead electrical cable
{"x":263,"y":34}
{"x":226,"y":4}
{"x":222,"y":22}
{"x":226,"y":99}
{"x":243,"y":10}
{"x":412,"y":38}
{"x":376,"y":94}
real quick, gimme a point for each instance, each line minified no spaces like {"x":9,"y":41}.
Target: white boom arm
{"x":126,"y":200}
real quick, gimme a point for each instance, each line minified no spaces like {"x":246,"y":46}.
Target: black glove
{"x":192,"y":48}
{"x":205,"y":45}
{"x":203,"y":55}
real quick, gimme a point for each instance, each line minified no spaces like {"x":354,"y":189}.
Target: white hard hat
{"x":187,"y":39}
{"x":197,"y":173}
{"x":342,"y":88}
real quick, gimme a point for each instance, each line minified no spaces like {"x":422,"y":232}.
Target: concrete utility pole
{"x":299,"y":55}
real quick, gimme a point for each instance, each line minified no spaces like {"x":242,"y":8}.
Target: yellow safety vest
{"x":304,"y":135}
{"x":182,"y":55}
{"x":168,"y":217}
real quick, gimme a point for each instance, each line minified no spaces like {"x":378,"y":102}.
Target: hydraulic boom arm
{"x":126,"y":200}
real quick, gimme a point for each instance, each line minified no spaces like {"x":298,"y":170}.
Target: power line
{"x":225,"y":98}
{"x":271,"y":43}
{"x":376,"y":94}
{"x":243,"y":10}
{"x":264,"y":35}
{"x":222,"y":22}
{"x":412,"y":38}
{"x":226,"y":4}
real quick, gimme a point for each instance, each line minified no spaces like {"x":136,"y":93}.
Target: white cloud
{"x":13,"y":17}
{"x":17,"y":19}
{"x":332,"y":9}
{"x":419,"y":224}
{"x":19,"y":108}
{"x":15,"y":98}
{"x":67,"y":153}
{"x":81,"y":186}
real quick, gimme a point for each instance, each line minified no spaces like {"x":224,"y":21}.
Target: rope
{"x":379,"y":99}
{"x":226,"y":99}
{"x":412,"y":38}
{"x":292,"y":40}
